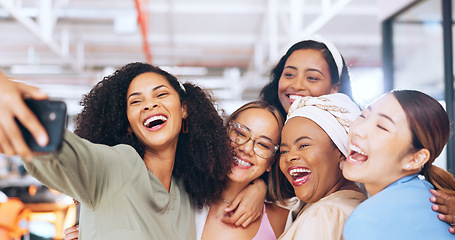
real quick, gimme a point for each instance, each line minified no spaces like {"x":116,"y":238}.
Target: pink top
{"x":265,"y":231}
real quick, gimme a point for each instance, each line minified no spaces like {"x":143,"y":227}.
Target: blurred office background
{"x":227,"y":46}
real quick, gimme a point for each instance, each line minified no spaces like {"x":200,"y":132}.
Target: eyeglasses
{"x":240,"y":135}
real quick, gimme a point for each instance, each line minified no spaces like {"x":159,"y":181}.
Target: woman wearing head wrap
{"x":315,"y":67}
{"x":314,"y":143}
{"x":311,"y":67}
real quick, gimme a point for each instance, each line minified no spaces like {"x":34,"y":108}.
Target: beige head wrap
{"x":334,"y":113}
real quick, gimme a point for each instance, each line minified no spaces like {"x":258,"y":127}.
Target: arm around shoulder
{"x":247,"y":205}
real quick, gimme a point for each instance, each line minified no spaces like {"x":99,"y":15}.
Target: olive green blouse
{"x":120,"y":198}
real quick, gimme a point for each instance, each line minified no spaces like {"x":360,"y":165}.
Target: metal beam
{"x":313,"y":27}
{"x":47,"y":17}
{"x":43,"y":34}
{"x":259,"y":54}
{"x":273,"y":28}
{"x":387,"y":54}
{"x":448,"y":76}
{"x":296,"y":16}
{"x":143,"y":18}
{"x":323,"y":19}
{"x":109,"y":13}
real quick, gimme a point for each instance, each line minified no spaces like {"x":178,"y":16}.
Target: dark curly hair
{"x":269,"y":92}
{"x":202,"y":158}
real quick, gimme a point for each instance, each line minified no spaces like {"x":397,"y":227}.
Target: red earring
{"x":184,"y":126}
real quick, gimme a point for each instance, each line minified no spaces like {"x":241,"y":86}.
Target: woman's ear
{"x":335,"y":88}
{"x":269,"y":168}
{"x":417,"y":160}
{"x":129,"y":133}
{"x":342,"y":157}
{"x":342,"y":160}
{"x":184,"y":111}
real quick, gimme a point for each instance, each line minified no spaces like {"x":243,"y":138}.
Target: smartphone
{"x":52,"y":115}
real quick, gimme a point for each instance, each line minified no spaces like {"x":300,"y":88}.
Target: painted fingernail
{"x":42,"y":140}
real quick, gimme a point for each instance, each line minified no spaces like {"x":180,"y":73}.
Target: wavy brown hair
{"x":202,"y":158}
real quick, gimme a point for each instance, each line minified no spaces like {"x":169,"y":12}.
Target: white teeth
{"x":241,"y":162}
{"x":295,"y":97}
{"x":157,"y":117}
{"x":297,"y":171}
{"x":358,"y":150}
{"x":352,"y":159}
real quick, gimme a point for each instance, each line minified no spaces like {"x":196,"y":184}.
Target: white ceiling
{"x":233,"y":43}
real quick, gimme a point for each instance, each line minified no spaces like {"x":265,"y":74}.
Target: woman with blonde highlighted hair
{"x":254,"y":133}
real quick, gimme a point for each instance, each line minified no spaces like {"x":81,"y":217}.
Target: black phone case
{"x":52,"y":115}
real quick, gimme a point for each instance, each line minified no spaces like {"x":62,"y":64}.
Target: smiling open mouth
{"x":240,"y":163}
{"x":294,"y":97}
{"x":155,"y":121}
{"x":357,"y":155}
{"x":299,"y":175}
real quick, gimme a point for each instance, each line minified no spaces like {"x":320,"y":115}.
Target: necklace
{"x":226,"y":201}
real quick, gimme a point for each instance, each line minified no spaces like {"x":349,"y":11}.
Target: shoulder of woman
{"x":343,"y":197}
{"x":323,"y":221}
{"x":274,"y":210}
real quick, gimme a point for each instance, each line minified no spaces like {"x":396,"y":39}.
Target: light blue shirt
{"x":400,"y":211}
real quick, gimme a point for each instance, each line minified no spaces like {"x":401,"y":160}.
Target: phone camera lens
{"x":52,"y":116}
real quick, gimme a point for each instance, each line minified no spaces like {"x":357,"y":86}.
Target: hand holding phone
{"x":52,"y":115}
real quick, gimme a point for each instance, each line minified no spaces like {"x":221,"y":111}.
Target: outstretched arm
{"x":247,"y":205}
{"x":444,"y":204}
{"x":13,"y":107}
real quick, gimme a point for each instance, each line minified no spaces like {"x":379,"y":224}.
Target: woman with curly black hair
{"x":197,"y":159}
{"x":154,"y":147}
